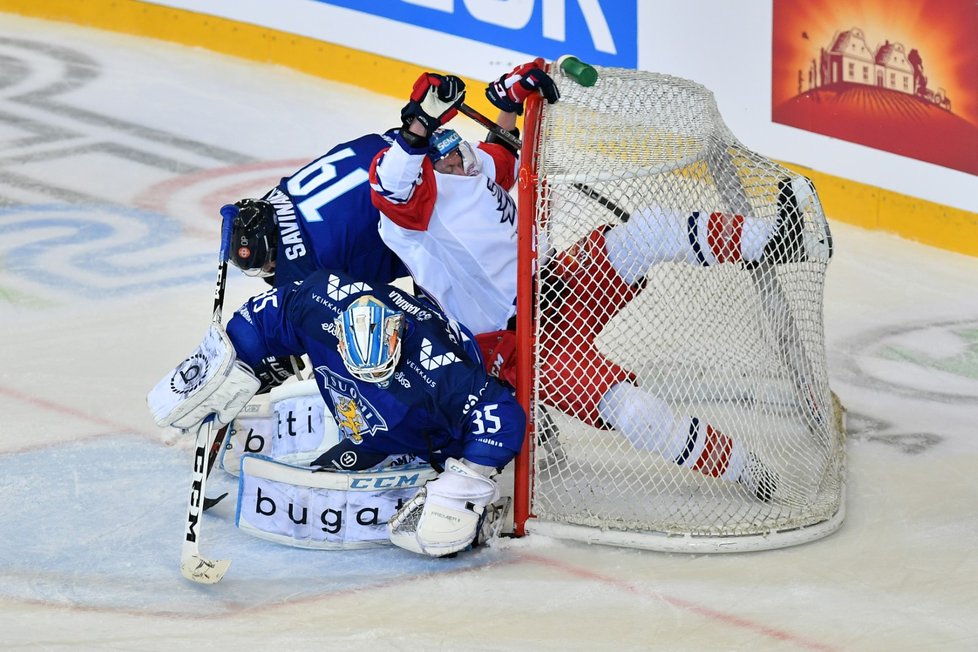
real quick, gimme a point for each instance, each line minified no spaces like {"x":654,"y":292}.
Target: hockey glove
{"x":445,"y":515}
{"x":434,"y":101}
{"x":211,"y":381}
{"x":275,"y":370}
{"x":510,"y":91}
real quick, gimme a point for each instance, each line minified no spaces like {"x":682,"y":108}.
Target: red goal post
{"x":734,"y":342}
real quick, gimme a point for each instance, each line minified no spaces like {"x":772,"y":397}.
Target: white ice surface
{"x":116,"y":153}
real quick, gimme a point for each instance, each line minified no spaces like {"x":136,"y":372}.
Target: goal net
{"x":713,"y":311}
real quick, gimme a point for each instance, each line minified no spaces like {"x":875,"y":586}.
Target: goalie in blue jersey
{"x":398,"y":377}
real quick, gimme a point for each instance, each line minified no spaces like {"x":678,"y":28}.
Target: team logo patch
{"x":430,"y":360}
{"x":356,"y":418}
{"x":348,"y":419}
{"x":189,"y":375}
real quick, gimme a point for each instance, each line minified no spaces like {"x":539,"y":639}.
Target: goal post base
{"x":686,"y":543}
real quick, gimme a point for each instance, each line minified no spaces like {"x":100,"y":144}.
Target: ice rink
{"x":116,"y":154}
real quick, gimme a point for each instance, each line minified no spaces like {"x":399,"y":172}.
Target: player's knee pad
{"x":444,"y":516}
{"x":210,"y":381}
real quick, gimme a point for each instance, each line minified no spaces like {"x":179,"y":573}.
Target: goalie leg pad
{"x":301,"y":507}
{"x":210,"y":381}
{"x":445,"y":515}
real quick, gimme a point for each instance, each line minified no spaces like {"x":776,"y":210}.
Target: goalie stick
{"x":192,"y":565}
{"x":211,"y":460}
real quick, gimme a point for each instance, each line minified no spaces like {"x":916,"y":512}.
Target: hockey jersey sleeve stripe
{"x":505,"y":162}
{"x":402,"y":187}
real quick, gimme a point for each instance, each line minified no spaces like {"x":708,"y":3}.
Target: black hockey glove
{"x":275,"y":370}
{"x":510,"y":91}
{"x":434,"y":101}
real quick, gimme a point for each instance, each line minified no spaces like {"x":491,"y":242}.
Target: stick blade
{"x":210,"y":502}
{"x":204,"y":571}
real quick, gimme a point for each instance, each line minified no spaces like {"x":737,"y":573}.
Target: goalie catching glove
{"x":210,"y":381}
{"x":445,"y":515}
{"x":434,"y":101}
{"x":510,"y":91}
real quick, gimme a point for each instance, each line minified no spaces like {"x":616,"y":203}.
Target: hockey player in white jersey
{"x":445,"y":215}
{"x":445,"y":203}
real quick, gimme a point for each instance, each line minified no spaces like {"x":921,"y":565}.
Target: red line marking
{"x":158,"y":195}
{"x":232,"y":193}
{"x":700,"y":610}
{"x":63,"y":409}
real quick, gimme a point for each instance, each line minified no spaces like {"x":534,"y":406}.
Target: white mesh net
{"x":693,"y":269}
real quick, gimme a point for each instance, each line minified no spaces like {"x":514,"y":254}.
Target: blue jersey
{"x":327,"y":221}
{"x":440,"y":402}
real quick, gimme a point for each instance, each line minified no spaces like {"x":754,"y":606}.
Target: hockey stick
{"x":582,"y":73}
{"x":192,"y":565}
{"x":211,"y":460}
{"x":495,"y":129}
{"x":618,"y":211}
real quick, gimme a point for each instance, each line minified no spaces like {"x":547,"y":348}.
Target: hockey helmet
{"x":442,"y":143}
{"x":254,"y":237}
{"x":369,"y":335}
{"x":445,"y":141}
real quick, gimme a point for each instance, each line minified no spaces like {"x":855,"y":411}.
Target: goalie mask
{"x":452,"y":155}
{"x":369,"y":336}
{"x":254,"y":237}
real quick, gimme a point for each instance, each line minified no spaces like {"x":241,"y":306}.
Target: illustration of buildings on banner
{"x":916,"y":97}
{"x":850,"y":60}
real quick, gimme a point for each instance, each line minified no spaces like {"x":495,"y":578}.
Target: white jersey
{"x":455,"y":234}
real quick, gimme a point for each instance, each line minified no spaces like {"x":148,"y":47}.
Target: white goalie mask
{"x":452,"y":155}
{"x":369,"y":336}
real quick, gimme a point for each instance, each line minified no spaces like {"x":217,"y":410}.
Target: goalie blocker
{"x":378,"y":378}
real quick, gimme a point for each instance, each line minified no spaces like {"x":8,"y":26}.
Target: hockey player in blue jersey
{"x":398,"y":377}
{"x":320,"y":217}
{"x":396,"y":374}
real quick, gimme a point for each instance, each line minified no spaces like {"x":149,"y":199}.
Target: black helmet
{"x":254,"y":237}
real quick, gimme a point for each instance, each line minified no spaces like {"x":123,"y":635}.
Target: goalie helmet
{"x":254,"y":237}
{"x":369,"y":335}
{"x":445,"y":142}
